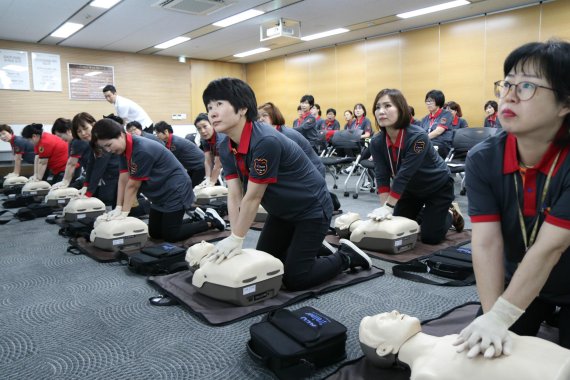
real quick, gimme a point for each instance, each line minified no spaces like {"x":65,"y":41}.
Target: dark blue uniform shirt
{"x":442,"y":119}
{"x":189,"y":155}
{"x":295,"y":191}
{"x":308,"y":128}
{"x":414,"y":165}
{"x":491,"y":166}
{"x":164,"y":180}
{"x":101,"y":169}
{"x":23,"y":147}
{"x":81,"y":150}
{"x":304,"y":144}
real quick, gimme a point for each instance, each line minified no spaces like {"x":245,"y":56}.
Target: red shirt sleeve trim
{"x":383,"y":189}
{"x":76,"y":156}
{"x":231,"y":176}
{"x":88,"y":194}
{"x":562,"y":223}
{"x":123,"y":171}
{"x":20,"y":153}
{"x":85,"y":184}
{"x":395,"y":195}
{"x":485,"y":218}
{"x":263,"y":180}
{"x":139,"y":178}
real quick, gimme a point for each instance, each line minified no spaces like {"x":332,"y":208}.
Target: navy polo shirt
{"x":151,"y":136}
{"x":458,"y":123}
{"x":414,"y":165}
{"x":492,"y":122}
{"x":81,"y":150}
{"x":189,"y":155}
{"x":331,"y":125}
{"x":362,"y":123}
{"x":212,"y":145}
{"x":23,"y":147}
{"x":101,"y":167}
{"x":442,"y":119}
{"x":164,"y":179}
{"x":304,"y":144}
{"x":491,"y":166}
{"x":307,"y":126}
{"x":295,"y":191}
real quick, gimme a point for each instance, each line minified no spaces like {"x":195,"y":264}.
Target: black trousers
{"x":169,"y":226}
{"x":297,"y":244}
{"x":197,"y":176}
{"x":435,"y":216}
{"x":538,"y":311}
{"x":107,"y":193}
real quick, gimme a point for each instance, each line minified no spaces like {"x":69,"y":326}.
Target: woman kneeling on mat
{"x":263,"y":166}
{"x":148,"y":166}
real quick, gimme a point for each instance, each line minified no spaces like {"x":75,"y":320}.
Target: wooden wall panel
{"x":351,"y":77}
{"x":383,"y":68}
{"x":202,"y":73}
{"x":276,"y":85}
{"x":462,"y":66}
{"x":256,"y":78}
{"x":323,"y":79}
{"x":297,"y":83}
{"x":554,"y":20}
{"x":420,"y":66}
{"x":503,"y":33}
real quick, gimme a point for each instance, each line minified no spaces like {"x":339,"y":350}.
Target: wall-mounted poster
{"x":14,"y":71}
{"x":46,"y":72}
{"x":86,"y":82}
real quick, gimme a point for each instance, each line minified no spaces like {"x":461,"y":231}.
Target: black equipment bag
{"x":78,"y":228}
{"x":17,"y":190}
{"x":34,"y":210}
{"x":453,"y":263}
{"x":293,"y":344}
{"x":21,"y":201}
{"x":221,"y":207}
{"x":161,"y":259}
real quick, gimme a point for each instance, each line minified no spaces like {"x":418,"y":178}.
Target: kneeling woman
{"x":148,"y":166}
{"x":421,"y":179}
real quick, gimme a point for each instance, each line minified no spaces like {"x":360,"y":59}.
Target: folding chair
{"x":367,"y":167}
{"x":342,"y":142}
{"x":463,"y":140}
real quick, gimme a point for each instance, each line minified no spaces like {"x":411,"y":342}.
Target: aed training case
{"x":393,"y":236}
{"x":247,"y":278}
{"x":36,"y":188}
{"x":113,"y":235}
{"x":60,"y":197}
{"x":12,"y":182}
{"x":211,"y":194}
{"x":81,"y":208}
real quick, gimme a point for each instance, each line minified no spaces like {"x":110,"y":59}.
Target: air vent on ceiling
{"x":197,"y":7}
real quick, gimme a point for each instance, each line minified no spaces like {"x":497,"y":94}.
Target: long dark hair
{"x":399,"y":101}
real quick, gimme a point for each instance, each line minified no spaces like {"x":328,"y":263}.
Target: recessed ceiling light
{"x":104,"y":3}
{"x":172,"y":42}
{"x":238,"y":18}
{"x":325,"y":34}
{"x":66,"y":30}
{"x":251,"y":52}
{"x":435,"y":8}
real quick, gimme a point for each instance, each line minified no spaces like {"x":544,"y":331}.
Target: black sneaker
{"x":326,"y":249}
{"x":215,"y":219}
{"x":457,"y":219}
{"x":353,"y":256}
{"x":199,"y":214}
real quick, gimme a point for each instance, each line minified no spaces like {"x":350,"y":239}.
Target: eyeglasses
{"x":430,"y":101}
{"x":524,"y":90}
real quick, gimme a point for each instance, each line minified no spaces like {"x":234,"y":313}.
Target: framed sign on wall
{"x":14,"y":71}
{"x":46,"y":72}
{"x":86,"y":82}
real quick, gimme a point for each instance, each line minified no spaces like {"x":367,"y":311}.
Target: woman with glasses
{"x":491,"y":120}
{"x":518,"y":184}
{"x":437,"y":123}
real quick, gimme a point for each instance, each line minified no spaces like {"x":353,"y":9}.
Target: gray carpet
{"x":69,"y":317}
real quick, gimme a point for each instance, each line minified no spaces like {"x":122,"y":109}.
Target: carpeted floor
{"x":69,"y":317}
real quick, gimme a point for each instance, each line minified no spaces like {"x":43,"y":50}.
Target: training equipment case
{"x":36,"y":188}
{"x":211,"y":194}
{"x":80,"y":208}
{"x":114,"y":235}
{"x":60,"y":197}
{"x":247,"y":278}
{"x":12,"y":182}
{"x":390,"y":236}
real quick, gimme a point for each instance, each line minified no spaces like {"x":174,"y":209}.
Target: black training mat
{"x":421,"y":250}
{"x":218,"y":313}
{"x":450,"y":322}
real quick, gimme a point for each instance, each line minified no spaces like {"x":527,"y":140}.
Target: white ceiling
{"x":135,"y":26}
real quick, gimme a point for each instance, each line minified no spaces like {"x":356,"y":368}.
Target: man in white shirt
{"x":126,"y":108}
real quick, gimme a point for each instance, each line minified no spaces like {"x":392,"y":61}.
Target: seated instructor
{"x":262,"y":166}
{"x":209,"y":143}
{"x":518,"y":185}
{"x":23,"y":149}
{"x":51,"y":154}
{"x":150,"y":167}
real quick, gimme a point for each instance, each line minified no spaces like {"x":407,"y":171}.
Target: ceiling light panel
{"x":435,"y":8}
{"x":238,"y":18}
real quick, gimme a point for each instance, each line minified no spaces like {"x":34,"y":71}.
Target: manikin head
{"x":385,"y":333}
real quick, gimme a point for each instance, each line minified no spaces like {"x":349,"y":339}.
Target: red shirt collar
{"x":493,"y":117}
{"x":455,"y":120}
{"x":303,"y":117}
{"x":12,"y":140}
{"x":279,"y":127}
{"x":212,"y":139}
{"x":243,"y":146}
{"x":359,"y":120}
{"x":329,"y":122}
{"x":435,"y":115}
{"x":399,"y":140}
{"x":128,"y":146}
{"x":169,"y":142}
{"x":511,"y":160}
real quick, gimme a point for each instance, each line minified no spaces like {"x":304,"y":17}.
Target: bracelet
{"x":389,"y":205}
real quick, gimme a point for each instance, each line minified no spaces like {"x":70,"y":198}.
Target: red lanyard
{"x":390,"y":152}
